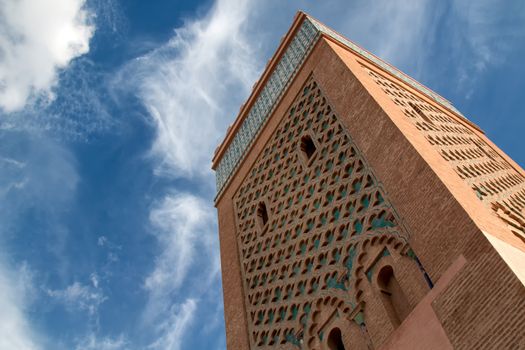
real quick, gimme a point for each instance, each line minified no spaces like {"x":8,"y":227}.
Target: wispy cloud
{"x":38,"y":182}
{"x":40,"y":96}
{"x":80,"y":108}
{"x":188,"y":86}
{"x":396,"y":32}
{"x":470,"y":35}
{"x":190,"y":83}
{"x":16,"y":289}
{"x":93,"y":342}
{"x":37,"y":38}
{"x":80,"y":297}
{"x":22,"y":160}
{"x":484,"y":34}
{"x":174,"y":327}
{"x":192,"y":86}
{"x":112,"y":256}
{"x":185,"y":228}
{"x":87,"y":299}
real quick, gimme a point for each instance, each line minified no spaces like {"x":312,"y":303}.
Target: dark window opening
{"x":392,"y":296}
{"x":335,"y":340}
{"x":421,"y":113}
{"x":262,"y":214}
{"x":308,"y":147}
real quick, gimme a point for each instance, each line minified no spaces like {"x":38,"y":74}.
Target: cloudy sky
{"x":110,"y":111}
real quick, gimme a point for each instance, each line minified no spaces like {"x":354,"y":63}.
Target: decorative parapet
{"x":285,"y":70}
{"x":271,"y":93}
{"x":385,"y":66}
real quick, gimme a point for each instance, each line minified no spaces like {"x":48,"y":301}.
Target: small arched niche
{"x":262,"y":215}
{"x":307,"y":147}
{"x":335,"y":340}
{"x":392,"y":296}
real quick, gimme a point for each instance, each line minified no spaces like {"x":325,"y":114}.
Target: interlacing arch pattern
{"x":322,"y":206}
{"x":490,"y":176}
{"x":350,"y":306}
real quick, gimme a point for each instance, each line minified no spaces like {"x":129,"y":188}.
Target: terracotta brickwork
{"x":496,"y":182}
{"x":311,"y":226}
{"x":497,"y":321}
{"x":366,"y":213}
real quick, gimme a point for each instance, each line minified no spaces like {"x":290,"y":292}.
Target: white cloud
{"x":37,"y":38}
{"x":388,"y":29}
{"x":79,"y":297}
{"x":88,"y":298}
{"x":94,"y":279}
{"x":185,"y":230}
{"x":16,"y":288}
{"x":191,"y":83}
{"x":46,"y":168}
{"x":102,"y":240}
{"x":189,"y":86}
{"x":92,"y":342}
{"x":467,"y":37}
{"x":486,"y":29}
{"x":175,"y":326}
{"x":485,"y":33}
{"x":37,"y":175}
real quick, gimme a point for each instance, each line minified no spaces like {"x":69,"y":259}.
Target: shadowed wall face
{"x":494,"y":180}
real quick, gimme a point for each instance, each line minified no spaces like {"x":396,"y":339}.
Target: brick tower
{"x":360,"y":210}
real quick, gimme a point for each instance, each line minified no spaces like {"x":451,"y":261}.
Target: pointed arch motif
{"x":328,"y":221}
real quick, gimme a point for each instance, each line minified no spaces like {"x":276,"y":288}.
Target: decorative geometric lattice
{"x":323,"y":207}
{"x":490,"y":176}
{"x":270,"y":94}
{"x":300,"y":46}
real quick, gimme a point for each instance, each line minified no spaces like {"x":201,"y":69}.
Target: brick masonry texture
{"x":329,"y":224}
{"x":359,"y":213}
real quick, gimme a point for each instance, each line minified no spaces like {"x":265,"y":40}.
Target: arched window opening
{"x":308,"y":147}
{"x":392,"y":295}
{"x":335,"y":340}
{"x":262,"y":215}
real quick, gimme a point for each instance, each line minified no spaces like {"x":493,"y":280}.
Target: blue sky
{"x":110,"y":112}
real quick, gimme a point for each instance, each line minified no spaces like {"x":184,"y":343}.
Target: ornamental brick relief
{"x":490,"y":176}
{"x":318,"y":239}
